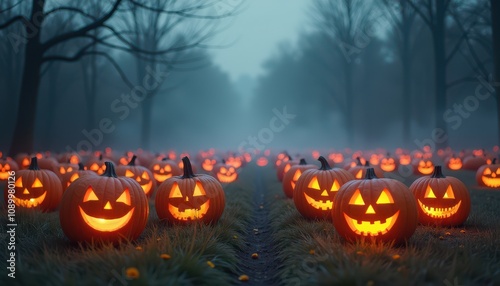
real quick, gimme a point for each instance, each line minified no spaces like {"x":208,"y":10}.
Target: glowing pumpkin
{"x":104,"y":208}
{"x":359,"y":171}
{"x":140,"y":174}
{"x":474,"y":162}
{"x":454,"y":163}
{"x":292,"y":176}
{"x":69,"y":157}
{"x":316,"y":189}
{"x":424,"y":167}
{"x":48,"y":163}
{"x":281,"y":158}
{"x":285,"y":167}
{"x":388,"y":164}
{"x":6,"y":166}
{"x":377,"y":209}
{"x":69,"y":177}
{"x":404,"y":159}
{"x":96,"y":164}
{"x":336,"y":158}
{"x":489,"y":175}
{"x":191,"y":197}
{"x":36,"y":189}
{"x":442,"y":200}
{"x":208,"y":164}
{"x":164,"y":169}
{"x":125,"y":159}
{"x":225,"y":173}
{"x":23,"y":160}
{"x":262,"y":161}
{"x":64,"y":168}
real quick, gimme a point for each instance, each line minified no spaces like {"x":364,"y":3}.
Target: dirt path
{"x":258,"y":240}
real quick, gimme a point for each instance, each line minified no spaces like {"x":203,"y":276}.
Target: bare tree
{"x":345,"y":24}
{"x":495,"y":25}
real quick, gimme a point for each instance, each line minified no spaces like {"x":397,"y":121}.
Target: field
{"x":288,"y":249}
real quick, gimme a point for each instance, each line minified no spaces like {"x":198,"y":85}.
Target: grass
{"x":45,"y":256}
{"x":305,"y":252}
{"x":311,"y":252}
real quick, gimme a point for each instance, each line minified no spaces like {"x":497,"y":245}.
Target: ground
{"x":290,"y":250}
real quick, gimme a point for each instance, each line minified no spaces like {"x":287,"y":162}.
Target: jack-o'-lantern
{"x":164,"y":169}
{"x":104,"y":208}
{"x":64,"y":168}
{"x":48,"y":163}
{"x":404,"y":159}
{"x":71,"y":176}
{"x":225,"y":173}
{"x":23,"y":160}
{"x":191,"y":197}
{"x":388,"y":164}
{"x":235,"y":161}
{"x":473,"y":162}
{"x":125,"y":159}
{"x":292,"y":176}
{"x":36,"y":189}
{"x":424,"y":167}
{"x":7,"y":165}
{"x":96,"y":164}
{"x":70,"y":157}
{"x":336,"y":158}
{"x":208,"y":164}
{"x":359,"y":171}
{"x":376,"y":209}
{"x":262,"y":161}
{"x":442,"y":200}
{"x":140,"y":174}
{"x":374,"y":160}
{"x":285,"y":167}
{"x":315,"y":191}
{"x":454,"y":163}
{"x":281,"y":158}
{"x":489,"y":175}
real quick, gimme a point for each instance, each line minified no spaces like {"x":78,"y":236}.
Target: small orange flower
{"x":132,"y":273}
{"x":311,"y":251}
{"x":244,"y":278}
{"x":138,"y":248}
{"x":255,"y":255}
{"x":165,"y":256}
{"x":396,"y":257}
{"x":211,"y":264}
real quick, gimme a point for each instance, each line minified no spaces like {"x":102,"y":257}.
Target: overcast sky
{"x":256,"y":32}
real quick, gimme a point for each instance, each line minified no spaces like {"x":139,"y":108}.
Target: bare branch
{"x":12,"y":21}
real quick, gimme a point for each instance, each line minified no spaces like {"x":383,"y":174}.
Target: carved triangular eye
{"x":429,"y":193}
{"x":297,"y":174}
{"x":385,"y":198}
{"x":156,"y":167}
{"x":198,"y":190}
{"x":74,"y":177}
{"x":223,"y":170}
{"x":62,"y":170}
{"x":335,"y":186}
{"x":167,"y":168}
{"x":124,"y":198}
{"x":359,"y":175}
{"x":357,"y":199}
{"x":70,"y":169}
{"x":145,"y":175}
{"x":449,"y":193}
{"x":19,"y":182}
{"x":37,"y":183}
{"x":90,"y":195}
{"x":176,"y":192}
{"x":129,"y":174}
{"x":287,"y":167}
{"x":313,"y":184}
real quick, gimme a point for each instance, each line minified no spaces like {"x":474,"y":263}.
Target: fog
{"x":324,"y":75}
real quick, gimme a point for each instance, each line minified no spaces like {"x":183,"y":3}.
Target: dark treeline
{"x":136,"y":73}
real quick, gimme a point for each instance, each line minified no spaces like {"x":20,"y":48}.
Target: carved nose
{"x":108,"y":206}
{"x":26,"y":192}
{"x":370,"y":210}
{"x":324,"y":193}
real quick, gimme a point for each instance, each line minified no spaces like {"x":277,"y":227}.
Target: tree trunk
{"x":51,"y":111}
{"x":350,"y":116}
{"x":147,"y":115}
{"x":406,"y":102}
{"x":440,"y":71}
{"x":495,"y":25}
{"x":24,"y":130}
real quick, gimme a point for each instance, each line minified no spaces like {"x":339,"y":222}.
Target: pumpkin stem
{"x":289,"y":158}
{"x":81,"y":167}
{"x":100,"y":157}
{"x":359,"y":161}
{"x":34,"y":164}
{"x":223,"y":161}
{"x":164,"y":159}
{"x":132,"y":161}
{"x":494,"y":161}
{"x":110,"y":170}
{"x":324,"y":164}
{"x":370,"y":174}
{"x":188,"y":170}
{"x":367,"y":163}
{"x":302,"y":162}
{"x":438,"y":172}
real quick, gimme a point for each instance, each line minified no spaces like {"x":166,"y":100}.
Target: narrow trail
{"x":258,"y":240}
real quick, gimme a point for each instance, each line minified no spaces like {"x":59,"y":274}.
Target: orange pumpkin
{"x":225,"y":173}
{"x":423,"y":167}
{"x":388,"y":164}
{"x":96,"y":164}
{"x":104,"y":208}
{"x":489,"y":175}
{"x":315,"y":191}
{"x":164,"y":169}
{"x":6,"y":166}
{"x":442,"y":200}
{"x":473,"y":162}
{"x":454,"y":163}
{"x":292,"y":176}
{"x":64,"y":168}
{"x":69,"y":177}
{"x":285,"y":167}
{"x":35,"y":189}
{"x":191,"y":197}
{"x":359,"y":171}
{"x":376,"y":209}
{"x":140,"y":174}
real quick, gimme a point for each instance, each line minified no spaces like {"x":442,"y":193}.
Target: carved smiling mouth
{"x":30,"y":203}
{"x":439,"y":212}
{"x":189,"y":214}
{"x":161,"y":178}
{"x":320,"y":205}
{"x":374,"y":228}
{"x":226,"y":179}
{"x":106,"y":225}
{"x":491,"y":182}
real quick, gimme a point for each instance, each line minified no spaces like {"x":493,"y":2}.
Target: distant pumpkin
{"x":96,"y":164}
{"x":388,"y":163}
{"x":224,"y":172}
{"x":292,"y":176}
{"x":69,"y":177}
{"x":140,"y":174}
{"x":7,"y":165}
{"x":359,"y":171}
{"x":454,"y":163}
{"x":164,"y":169}
{"x":488,"y":175}
{"x":284,"y":167}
